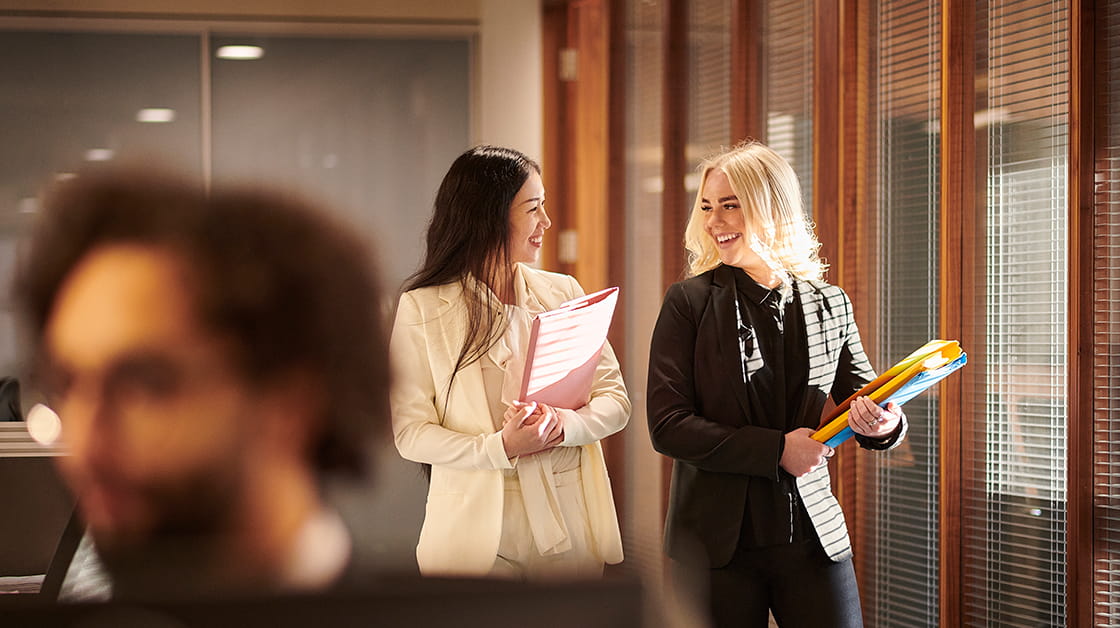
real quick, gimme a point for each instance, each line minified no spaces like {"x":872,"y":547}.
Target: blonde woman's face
{"x":725,"y":224}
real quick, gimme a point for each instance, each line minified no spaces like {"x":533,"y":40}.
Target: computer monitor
{"x":408,"y":601}
{"x":37,"y":509}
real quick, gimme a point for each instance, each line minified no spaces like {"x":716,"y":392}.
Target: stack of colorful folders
{"x":901,"y":383}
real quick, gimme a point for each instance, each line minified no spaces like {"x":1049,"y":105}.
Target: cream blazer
{"x":455,"y":433}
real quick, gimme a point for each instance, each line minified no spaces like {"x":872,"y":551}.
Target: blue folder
{"x":908,"y":391}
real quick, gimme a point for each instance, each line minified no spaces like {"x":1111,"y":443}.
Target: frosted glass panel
{"x":369,"y":126}
{"x":67,"y":99}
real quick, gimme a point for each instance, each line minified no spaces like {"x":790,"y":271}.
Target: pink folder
{"x":564,"y":349}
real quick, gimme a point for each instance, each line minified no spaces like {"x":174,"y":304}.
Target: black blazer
{"x":699,"y":412}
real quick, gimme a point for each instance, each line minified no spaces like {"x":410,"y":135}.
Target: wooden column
{"x":674,"y":136}
{"x":1079,"y":549}
{"x":826,"y":132}
{"x":554,"y":161}
{"x":588,"y":35}
{"x":748,"y":96}
{"x":958,"y":208}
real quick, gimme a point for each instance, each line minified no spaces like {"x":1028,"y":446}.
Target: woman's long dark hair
{"x":468,"y":238}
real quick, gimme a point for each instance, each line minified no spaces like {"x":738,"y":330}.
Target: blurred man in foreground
{"x":211,"y":357}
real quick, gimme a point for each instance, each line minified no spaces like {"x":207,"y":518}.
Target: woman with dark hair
{"x":517,"y":490}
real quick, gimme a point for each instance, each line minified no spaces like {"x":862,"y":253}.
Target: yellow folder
{"x":932,"y":355}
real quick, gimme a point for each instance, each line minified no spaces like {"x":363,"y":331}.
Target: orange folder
{"x":933,"y":355}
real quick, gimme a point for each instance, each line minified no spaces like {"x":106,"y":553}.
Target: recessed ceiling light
{"x":242,"y":53}
{"x":155,"y":114}
{"x":99,"y":154}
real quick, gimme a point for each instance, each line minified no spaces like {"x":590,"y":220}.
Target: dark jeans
{"x":797,"y":582}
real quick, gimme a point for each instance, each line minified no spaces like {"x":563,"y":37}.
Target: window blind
{"x":1014,"y":506}
{"x":788,"y":86}
{"x":1106,"y":334}
{"x":709,"y":80}
{"x":904,"y":500}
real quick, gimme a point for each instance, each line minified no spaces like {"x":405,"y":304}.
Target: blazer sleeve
{"x":675,"y":426}
{"x":608,"y":410}
{"x":854,"y":371}
{"x":417,"y":429}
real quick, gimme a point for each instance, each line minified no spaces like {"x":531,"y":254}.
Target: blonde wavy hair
{"x":770,"y":199}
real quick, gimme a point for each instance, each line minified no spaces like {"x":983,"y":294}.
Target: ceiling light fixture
{"x":99,"y":154}
{"x":155,"y":115}
{"x":240,"y":53}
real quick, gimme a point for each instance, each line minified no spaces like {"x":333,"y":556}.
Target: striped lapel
{"x":812,"y":308}
{"x":816,"y":487}
{"x":824,"y":511}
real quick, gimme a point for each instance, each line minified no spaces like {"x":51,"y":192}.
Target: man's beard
{"x":185,"y":551}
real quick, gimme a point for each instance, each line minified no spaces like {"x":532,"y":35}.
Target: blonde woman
{"x":743,"y":355}
{"x":517,"y":490}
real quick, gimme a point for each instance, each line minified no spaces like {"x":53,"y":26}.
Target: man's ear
{"x":295,"y":406}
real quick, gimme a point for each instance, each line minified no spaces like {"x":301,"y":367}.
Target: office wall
{"x":465,"y":10}
{"x":508,"y":63}
{"x":505,"y":108}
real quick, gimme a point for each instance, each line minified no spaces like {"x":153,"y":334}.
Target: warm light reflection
{"x":43,"y":424}
{"x":242,"y":53}
{"x":155,"y":115}
{"x":99,"y":154}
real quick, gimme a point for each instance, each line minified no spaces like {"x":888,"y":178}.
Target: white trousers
{"x":518,"y":556}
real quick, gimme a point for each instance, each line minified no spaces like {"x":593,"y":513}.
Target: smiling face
{"x":725,"y":222}
{"x":528,"y":221}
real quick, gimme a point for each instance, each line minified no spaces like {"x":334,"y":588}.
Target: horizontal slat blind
{"x":905,"y":499}
{"x":1014,"y":551}
{"x":788,"y":86}
{"x":1106,"y":333}
{"x":709,"y":79}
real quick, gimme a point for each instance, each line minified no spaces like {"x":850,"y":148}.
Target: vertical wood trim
{"x":826,"y":132}
{"x":958,"y":203}
{"x":674,"y":130}
{"x":1080,"y":550}
{"x":615,"y":450}
{"x":554,"y":29}
{"x":589,"y":156}
{"x":616,"y":165}
{"x":748,"y":94}
{"x":857,"y":207}
{"x":206,"y":112}
{"x":843,"y":161}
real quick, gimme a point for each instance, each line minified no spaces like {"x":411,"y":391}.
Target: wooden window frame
{"x":842,"y":171}
{"x":1082,"y":161}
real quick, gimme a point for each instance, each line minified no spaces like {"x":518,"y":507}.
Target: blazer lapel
{"x":819,"y":350}
{"x":819,"y":365}
{"x":727,"y":333}
{"x":468,"y":395}
{"x":540,"y":287}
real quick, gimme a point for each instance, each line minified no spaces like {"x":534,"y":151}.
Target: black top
{"x":775,"y":365}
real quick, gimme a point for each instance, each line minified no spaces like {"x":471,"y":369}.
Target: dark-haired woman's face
{"x":528,"y":221}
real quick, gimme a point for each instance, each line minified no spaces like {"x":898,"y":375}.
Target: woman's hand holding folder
{"x":530,"y":427}
{"x":872,"y":421}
